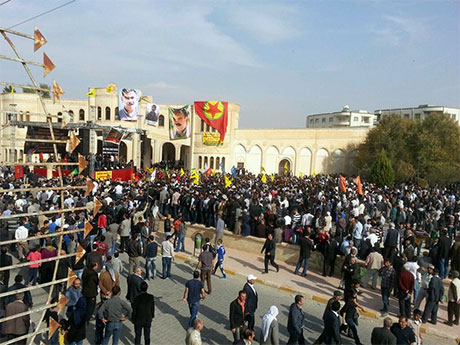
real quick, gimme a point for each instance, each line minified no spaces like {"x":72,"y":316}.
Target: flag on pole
{"x":228,"y":182}
{"x":209,"y":172}
{"x":153,"y":175}
{"x":357,"y":182}
{"x":262,"y":169}
{"x":314,"y":173}
{"x":39,"y":40}
{"x":286,"y":168}
{"x":167,"y":170}
{"x":301,"y":174}
{"x":264,"y":178}
{"x":73,"y":141}
{"x":48,"y":65}
{"x":74,"y":172}
{"x":57,"y":91}
{"x":40,"y":156}
{"x":12,"y":89}
{"x":222,"y":167}
{"x":91,"y":93}
{"x":234,"y":174}
{"x":182,"y":172}
{"x":110,"y":88}
{"x":272,"y":177}
{"x":214,"y":114}
{"x":342,"y":184}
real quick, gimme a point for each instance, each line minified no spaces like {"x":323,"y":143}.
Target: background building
{"x":341,"y":119}
{"x":420,"y":112}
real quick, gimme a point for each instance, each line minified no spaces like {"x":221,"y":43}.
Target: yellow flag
{"x":301,"y":174}
{"x":262,"y":169}
{"x":57,"y":91}
{"x":228,"y":182}
{"x":182,"y":172}
{"x":48,"y":65}
{"x":272,"y":178}
{"x":91,"y":93}
{"x":286,"y":168}
{"x":264,"y":178}
{"x":314,"y":173}
{"x":12,"y":89}
{"x":39,"y":40}
{"x":110,"y":87}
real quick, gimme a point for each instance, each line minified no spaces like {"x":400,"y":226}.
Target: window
{"x":223,"y":162}
{"x":316,"y":120}
{"x":217,"y":163}
{"x":161,"y":121}
{"x":417,"y":116}
{"x":59,"y":117}
{"x":406,"y":116}
{"x":28,"y":116}
{"x":207,"y":128}
{"x":331,"y":119}
{"x":81,"y":115}
{"x":99,"y":113}
{"x":454,"y":117}
{"x":211,"y":162}
{"x":365,"y":119}
{"x":240,"y":165}
{"x":355,"y":119}
{"x":202,"y":126}
{"x":107,"y":113}
{"x":21,"y":116}
{"x":200,"y":162}
{"x":117,"y":117}
{"x":323,"y":119}
{"x":312,"y":121}
{"x":205,"y":162}
{"x":71,"y":115}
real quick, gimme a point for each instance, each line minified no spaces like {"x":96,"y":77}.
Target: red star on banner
{"x":213,"y":109}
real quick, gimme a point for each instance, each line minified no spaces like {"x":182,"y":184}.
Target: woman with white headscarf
{"x":269,"y":330}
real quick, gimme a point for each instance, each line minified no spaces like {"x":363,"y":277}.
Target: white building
{"x":342,"y":119}
{"x":420,"y":112}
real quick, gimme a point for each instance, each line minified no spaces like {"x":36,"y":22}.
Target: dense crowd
{"x":406,"y":235}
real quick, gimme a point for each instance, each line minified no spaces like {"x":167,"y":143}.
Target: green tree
{"x":382,"y":172}
{"x":7,"y":89}
{"x":45,"y":94}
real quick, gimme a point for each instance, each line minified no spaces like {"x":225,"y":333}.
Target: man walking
{"x":220,"y":229}
{"x":453,"y":306}
{"x":167,"y":255}
{"x":151,"y":253}
{"x":295,"y":321}
{"x":113,"y":312}
{"x":269,"y":248}
{"x":383,"y":335}
{"x":220,"y":259}
{"x":435,"y":294}
{"x":125,"y":230}
{"x":335,"y":298}
{"x":252,"y":299}
{"x":205,"y":263}
{"x":143,"y":314}
{"x":194,"y":291}
{"x":405,"y":289}
{"x":90,"y":285}
{"x":332,"y":325}
{"x":193,"y":336}
{"x":237,"y":311}
{"x":388,"y":274}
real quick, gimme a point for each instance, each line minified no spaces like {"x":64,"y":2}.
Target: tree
{"x":7,"y":89}
{"x":45,"y":94}
{"x":382,"y":172}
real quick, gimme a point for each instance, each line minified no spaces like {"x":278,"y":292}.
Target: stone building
{"x":301,"y":150}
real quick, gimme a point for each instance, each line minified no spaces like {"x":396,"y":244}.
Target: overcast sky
{"x":280,"y":60}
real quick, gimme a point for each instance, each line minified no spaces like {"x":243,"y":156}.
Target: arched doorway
{"x":168,"y":152}
{"x":284,"y":168}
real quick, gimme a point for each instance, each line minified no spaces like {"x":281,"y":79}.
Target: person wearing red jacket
{"x":405,"y":288}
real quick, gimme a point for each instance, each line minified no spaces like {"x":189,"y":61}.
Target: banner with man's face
{"x":179,"y":122}
{"x":152,"y":112}
{"x":128,"y":104}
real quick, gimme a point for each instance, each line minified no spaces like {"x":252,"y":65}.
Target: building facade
{"x":303,"y":151}
{"x":342,"y":119}
{"x":420,"y":112}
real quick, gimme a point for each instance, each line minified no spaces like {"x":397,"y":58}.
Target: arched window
{"x":116,"y":114}
{"x":211,"y":163}
{"x":161,"y":121}
{"x":217,"y":163}
{"x":205,"y":162}
{"x":202,"y":125}
{"x":99,"y":113}
{"x":223,"y":161}
{"x":81,"y":115}
{"x":207,"y":128}
{"x":107,"y":113}
{"x":200,"y":162}
{"x":59,"y":117}
{"x":71,"y":115}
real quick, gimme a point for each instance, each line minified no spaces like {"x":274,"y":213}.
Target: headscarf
{"x":79,"y":312}
{"x":267,"y":320}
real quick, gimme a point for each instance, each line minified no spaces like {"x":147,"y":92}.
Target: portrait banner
{"x":111,"y":143}
{"x":179,"y":123}
{"x":211,"y":139}
{"x":128,"y":104}
{"x":152,"y":112}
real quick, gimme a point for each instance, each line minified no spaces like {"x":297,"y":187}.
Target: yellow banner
{"x":103,"y":175}
{"x":211,"y":139}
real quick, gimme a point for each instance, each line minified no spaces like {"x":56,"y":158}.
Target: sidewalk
{"x":314,"y":286}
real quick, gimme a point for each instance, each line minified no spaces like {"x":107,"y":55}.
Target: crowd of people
{"x":407,"y":236}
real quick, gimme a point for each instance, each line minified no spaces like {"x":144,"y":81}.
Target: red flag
{"x":40,"y":155}
{"x":214,"y":114}
{"x":18,"y":171}
{"x":39,"y":40}
{"x":342,"y":184}
{"x":208,"y":172}
{"x":357,"y":182}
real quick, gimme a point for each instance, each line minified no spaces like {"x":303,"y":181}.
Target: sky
{"x":280,"y":60}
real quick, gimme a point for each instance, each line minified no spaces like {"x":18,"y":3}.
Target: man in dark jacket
{"x":135,"y":281}
{"x":306,"y":246}
{"x":90,"y":284}
{"x":383,"y":335}
{"x":94,"y":256}
{"x":6,"y":260}
{"x":332,"y":325}
{"x":391,"y":242}
{"x":134,"y":252}
{"x":18,"y":284}
{"x":252,"y":299}
{"x":269,"y":248}
{"x":143,"y":314}
{"x":443,"y":254}
{"x":435,"y":293}
{"x":295,"y":321}
{"x":237,"y":310}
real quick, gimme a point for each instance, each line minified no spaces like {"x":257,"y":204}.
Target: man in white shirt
{"x":21,"y":234}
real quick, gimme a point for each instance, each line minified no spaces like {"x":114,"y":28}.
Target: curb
{"x":317,"y":298}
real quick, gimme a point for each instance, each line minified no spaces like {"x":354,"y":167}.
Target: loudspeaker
{"x":85,"y":138}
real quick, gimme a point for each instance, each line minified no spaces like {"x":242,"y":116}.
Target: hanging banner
{"x":111,"y":143}
{"x":103,"y":175}
{"x":179,"y":123}
{"x":214,"y":114}
{"x":211,"y":139}
{"x":152,"y":112}
{"x":128,"y":103}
